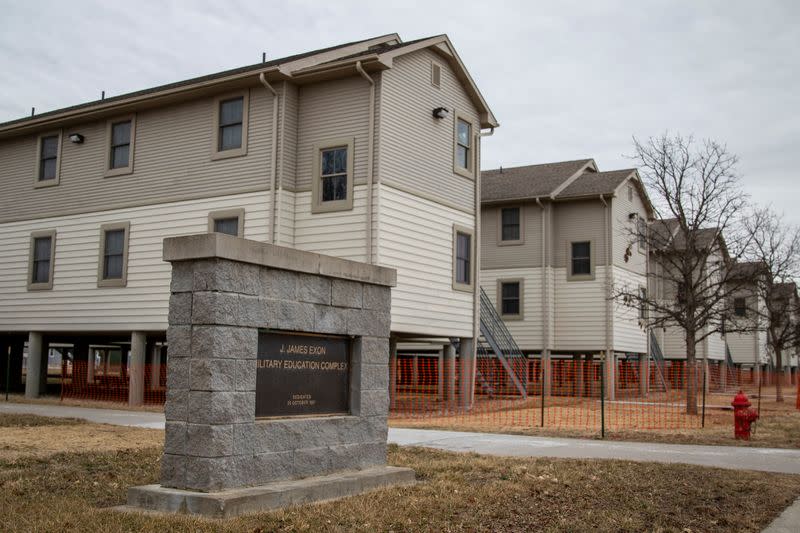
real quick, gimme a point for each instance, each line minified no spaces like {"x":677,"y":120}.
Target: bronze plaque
{"x":302,"y":375}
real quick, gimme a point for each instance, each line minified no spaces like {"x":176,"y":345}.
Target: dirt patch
{"x":45,"y":436}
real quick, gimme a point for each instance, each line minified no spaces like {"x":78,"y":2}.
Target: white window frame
{"x":466,"y":287}
{"x":317,"y":205}
{"x":514,"y":242}
{"x":592,"y":270}
{"x":49,"y":284}
{"x":216,"y":153}
{"x":113,"y":282}
{"x":37,"y":184}
{"x":110,"y":172}
{"x":237,"y":213}
{"x":507,"y":316}
{"x":468,"y":172}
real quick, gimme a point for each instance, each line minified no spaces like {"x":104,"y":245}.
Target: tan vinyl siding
{"x":578,"y":221}
{"x":340,"y":234}
{"x":172,"y":161}
{"x":332,"y":110}
{"x":622,"y":228}
{"x":286,"y":215}
{"x":528,"y":331}
{"x":287,"y":124}
{"x":527,"y":254}
{"x":743,"y":347}
{"x":76,"y":303}
{"x":417,"y":149}
{"x":580,"y":316}
{"x":629,"y":334}
{"x":416,"y":239}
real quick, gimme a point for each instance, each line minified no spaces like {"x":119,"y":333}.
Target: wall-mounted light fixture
{"x":76,"y":138}
{"x":633,"y":216}
{"x":440,"y":112}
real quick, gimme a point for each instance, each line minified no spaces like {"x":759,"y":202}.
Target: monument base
{"x":276,"y":495}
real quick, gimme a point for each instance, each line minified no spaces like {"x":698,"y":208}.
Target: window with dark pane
{"x":641,"y":232}
{"x":463,"y":257}
{"x":334,"y":174}
{"x":230,"y":123}
{"x":120,"y":144}
{"x":113,"y":254}
{"x":227,"y":225}
{"x":511,"y":220}
{"x":740,"y":307}
{"x":581,"y":258}
{"x":42,"y":250}
{"x":48,"y":158}
{"x":463,"y":138}
{"x":509,"y":298}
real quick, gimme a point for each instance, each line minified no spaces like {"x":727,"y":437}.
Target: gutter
{"x":370,"y":159}
{"x":274,"y":163}
{"x":545,"y":284}
{"x":607,"y":273}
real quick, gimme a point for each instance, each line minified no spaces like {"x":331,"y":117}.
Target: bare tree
{"x":697,"y":199}
{"x":776,"y":246}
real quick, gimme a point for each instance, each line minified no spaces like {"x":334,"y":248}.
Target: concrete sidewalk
{"x":733,"y":457}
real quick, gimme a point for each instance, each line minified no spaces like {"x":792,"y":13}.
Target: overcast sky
{"x":565,"y":79}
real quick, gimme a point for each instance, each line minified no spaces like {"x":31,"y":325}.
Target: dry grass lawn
{"x":457,"y":492}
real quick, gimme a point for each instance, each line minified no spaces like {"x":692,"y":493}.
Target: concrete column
{"x":90,"y":367}
{"x":136,"y":370}
{"x":547,"y":373}
{"x":611,"y":374}
{"x":392,"y":373}
{"x":440,"y":376}
{"x":155,"y":368}
{"x":467,"y":372}
{"x":577,"y":362}
{"x":415,"y":371}
{"x":450,"y":373}
{"x":34,"y":366}
{"x":644,"y":375}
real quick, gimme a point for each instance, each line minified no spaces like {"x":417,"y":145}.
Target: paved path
{"x":788,"y":521}
{"x":763,"y":459}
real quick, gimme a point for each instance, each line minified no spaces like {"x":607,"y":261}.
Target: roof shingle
{"x":530,"y":181}
{"x":595,"y":183}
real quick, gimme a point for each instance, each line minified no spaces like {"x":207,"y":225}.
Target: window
{"x":230,"y":221}
{"x":581,"y":260}
{"x":643,"y":303}
{"x":436,"y":75}
{"x":462,"y":258}
{"x":42,"y":260}
{"x":510,"y":225}
{"x":48,"y":165}
{"x":463,"y":164}
{"x":630,"y":193}
{"x":113,"y":265}
{"x":641,"y":233}
{"x":510,"y":298}
{"x":740,"y":307}
{"x":332,"y":188}
{"x":230,"y":133}
{"x":121,"y":134}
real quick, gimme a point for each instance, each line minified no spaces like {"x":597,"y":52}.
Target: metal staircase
{"x":496,"y":341}
{"x":658,"y":358}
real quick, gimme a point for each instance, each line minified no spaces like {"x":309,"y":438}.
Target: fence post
{"x":541,"y":382}
{"x":8,"y":370}
{"x":603,"y":396}
{"x":703,"y":418}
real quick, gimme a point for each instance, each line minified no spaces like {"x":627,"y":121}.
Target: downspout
{"x":611,"y":384}
{"x":545,"y":284}
{"x":274,"y":162}
{"x":370,"y":159}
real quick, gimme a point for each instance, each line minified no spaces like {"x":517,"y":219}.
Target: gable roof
{"x":592,"y":184}
{"x":530,"y":181}
{"x":376,"y":53}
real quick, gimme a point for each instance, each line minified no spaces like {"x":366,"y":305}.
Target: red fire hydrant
{"x":743,"y":416}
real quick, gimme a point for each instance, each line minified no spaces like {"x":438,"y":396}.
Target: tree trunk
{"x":691,"y":374}
{"x":779,"y":377}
